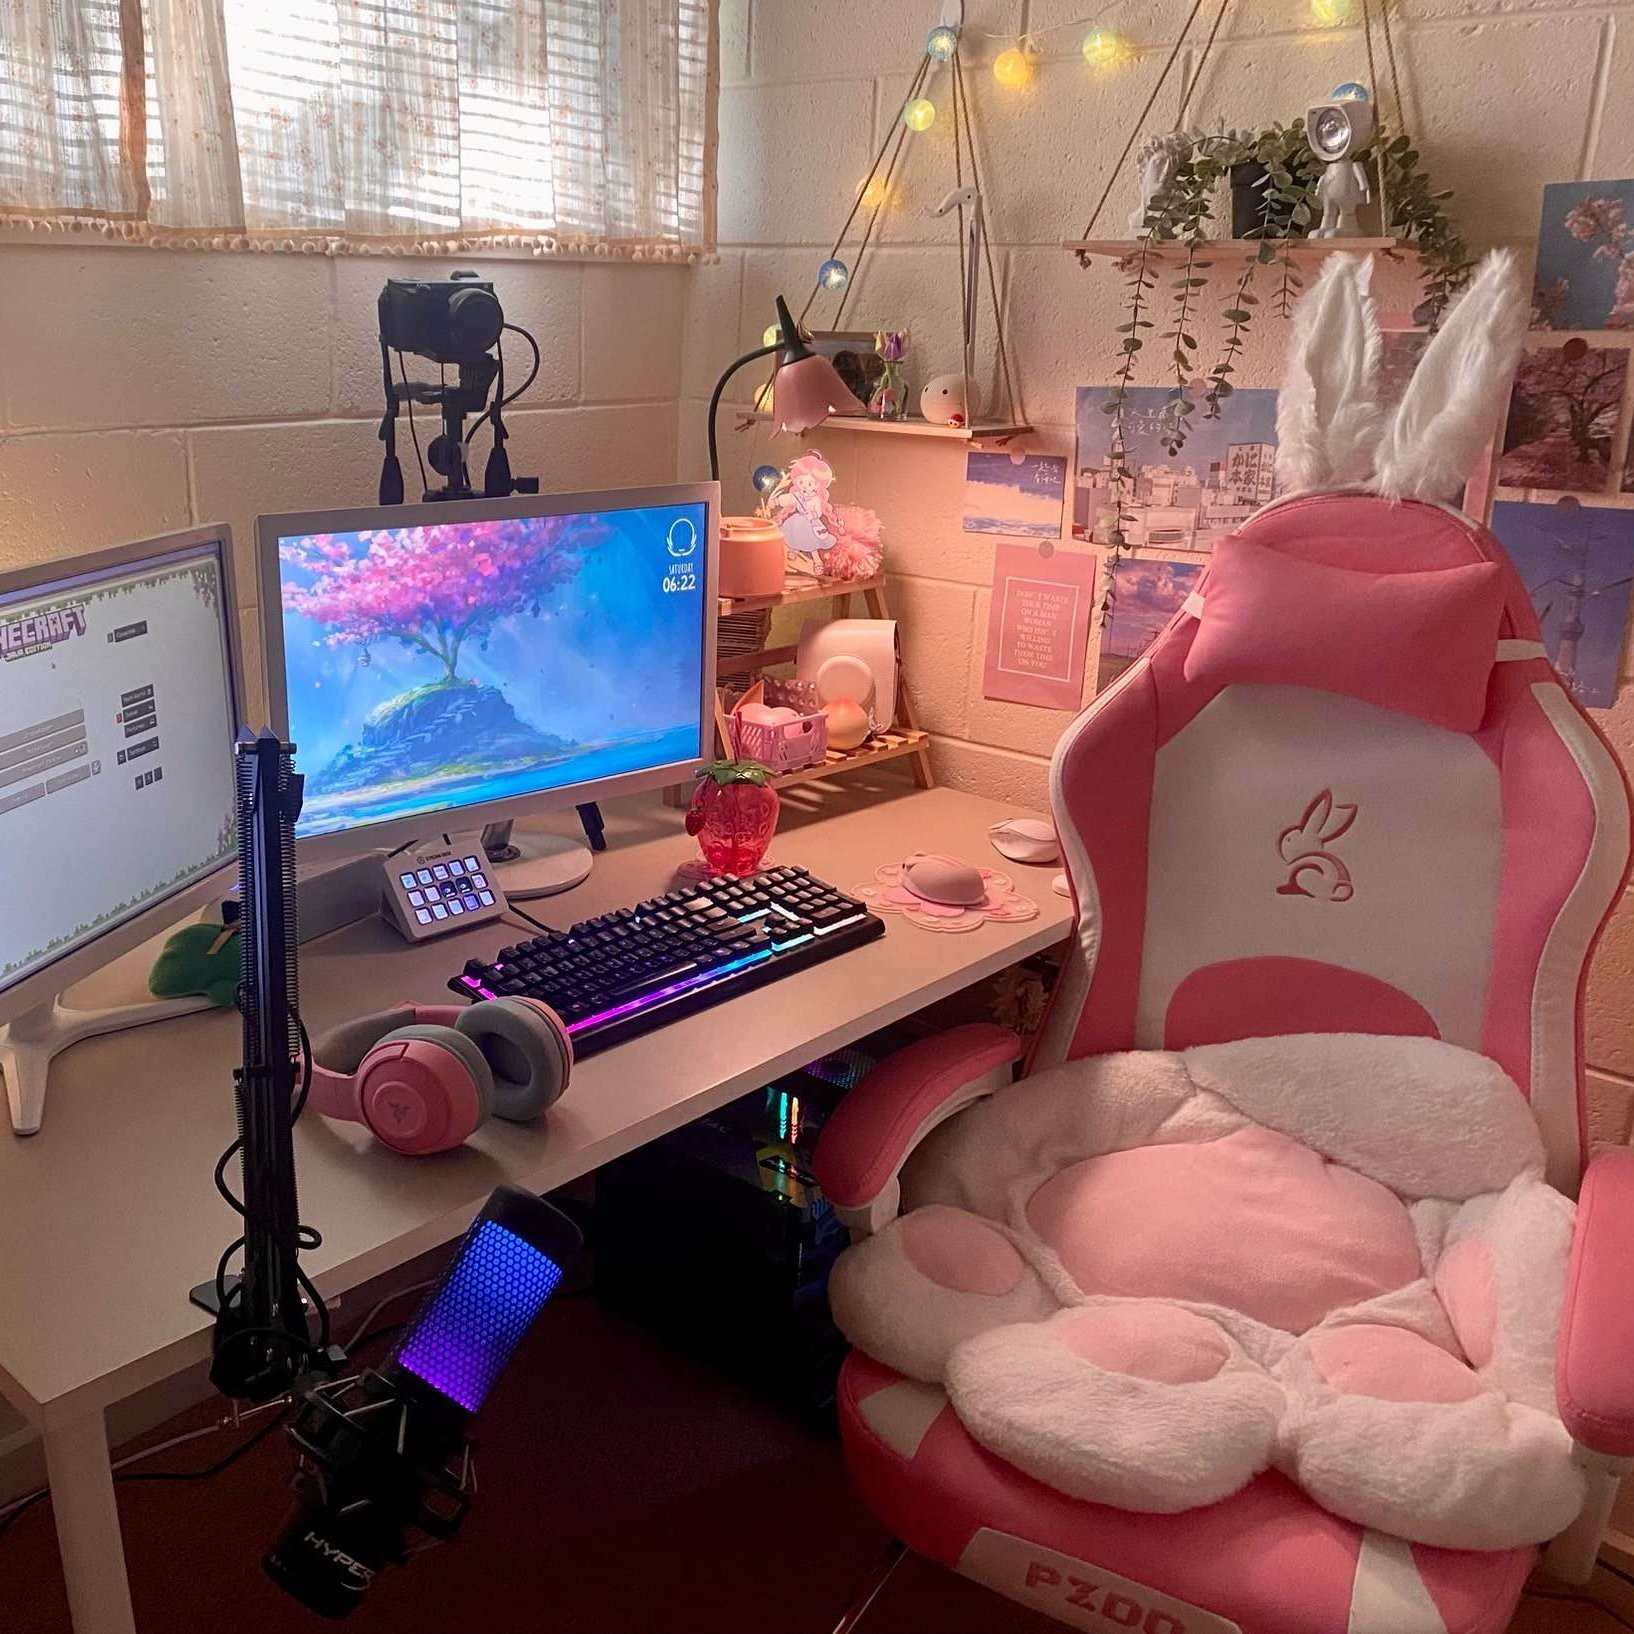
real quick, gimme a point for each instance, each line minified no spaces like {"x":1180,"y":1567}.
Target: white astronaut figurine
{"x":1341,"y":191}
{"x":1335,"y":131}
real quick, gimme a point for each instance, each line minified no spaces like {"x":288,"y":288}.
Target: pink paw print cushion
{"x":1145,"y":1278}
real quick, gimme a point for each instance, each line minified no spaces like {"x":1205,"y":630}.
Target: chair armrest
{"x":1594,"y":1364}
{"x":879,"y":1123}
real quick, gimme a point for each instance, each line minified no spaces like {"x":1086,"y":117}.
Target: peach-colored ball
{"x":847,"y":723}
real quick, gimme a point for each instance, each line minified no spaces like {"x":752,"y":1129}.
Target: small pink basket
{"x":785,"y":747}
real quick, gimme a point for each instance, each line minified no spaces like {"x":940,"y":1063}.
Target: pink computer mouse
{"x":944,"y":879}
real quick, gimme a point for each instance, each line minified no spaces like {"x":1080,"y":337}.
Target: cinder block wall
{"x":145,"y":390}
{"x":1502,"y":96}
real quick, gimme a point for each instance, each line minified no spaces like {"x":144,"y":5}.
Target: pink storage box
{"x":785,"y":747}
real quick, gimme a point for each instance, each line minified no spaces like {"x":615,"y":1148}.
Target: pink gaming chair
{"x":1472,"y":896}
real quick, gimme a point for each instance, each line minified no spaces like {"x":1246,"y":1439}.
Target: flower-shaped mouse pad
{"x":990,"y":894}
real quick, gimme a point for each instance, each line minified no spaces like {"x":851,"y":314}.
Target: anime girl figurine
{"x":828,"y":541}
{"x":799,"y":506}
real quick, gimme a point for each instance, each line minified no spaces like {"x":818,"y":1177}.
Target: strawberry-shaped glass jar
{"x":733,"y":815}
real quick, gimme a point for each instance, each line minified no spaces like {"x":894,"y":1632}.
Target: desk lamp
{"x":805,"y":390}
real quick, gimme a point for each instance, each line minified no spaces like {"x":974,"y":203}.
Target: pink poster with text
{"x":1038,"y":626}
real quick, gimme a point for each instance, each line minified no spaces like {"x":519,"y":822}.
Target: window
{"x":569,"y":126}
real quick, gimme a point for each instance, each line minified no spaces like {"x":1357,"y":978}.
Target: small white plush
{"x":950,"y":400}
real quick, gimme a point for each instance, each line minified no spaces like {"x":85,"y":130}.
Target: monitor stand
{"x":28,"y":1044}
{"x":530,"y":864}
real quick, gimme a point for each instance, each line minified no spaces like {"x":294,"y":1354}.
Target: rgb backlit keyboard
{"x":626,"y":972}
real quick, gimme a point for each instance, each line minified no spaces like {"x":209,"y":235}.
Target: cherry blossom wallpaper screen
{"x":466,"y":662}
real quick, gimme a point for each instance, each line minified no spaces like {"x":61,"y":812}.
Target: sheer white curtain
{"x":62,"y":81}
{"x":571,"y":126}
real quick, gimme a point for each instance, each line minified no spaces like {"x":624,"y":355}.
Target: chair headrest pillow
{"x":1420,"y":643}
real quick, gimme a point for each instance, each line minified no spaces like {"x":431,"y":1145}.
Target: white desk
{"x":108,"y":1216}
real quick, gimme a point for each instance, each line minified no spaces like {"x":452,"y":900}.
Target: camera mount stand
{"x":446,"y":452}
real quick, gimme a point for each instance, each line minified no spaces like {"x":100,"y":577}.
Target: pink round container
{"x":751,"y":557}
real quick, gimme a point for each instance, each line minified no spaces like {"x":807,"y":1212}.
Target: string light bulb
{"x":771,"y":335}
{"x":1332,"y":13}
{"x":1350,"y":91}
{"x":873,"y":191}
{"x":1102,"y":48}
{"x":942,"y":43}
{"x":767,"y":477}
{"x":834,"y":274}
{"x":1011,"y":68}
{"x":920,"y":114}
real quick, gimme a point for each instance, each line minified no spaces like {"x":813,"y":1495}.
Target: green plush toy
{"x":198,"y":959}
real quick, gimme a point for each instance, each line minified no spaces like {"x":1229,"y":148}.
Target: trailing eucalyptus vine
{"x":1140,"y":281}
{"x":1416,"y":215}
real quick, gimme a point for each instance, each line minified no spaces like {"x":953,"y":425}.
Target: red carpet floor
{"x":624,"y":1490}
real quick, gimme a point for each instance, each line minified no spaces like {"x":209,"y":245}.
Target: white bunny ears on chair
{"x":1331,"y":432}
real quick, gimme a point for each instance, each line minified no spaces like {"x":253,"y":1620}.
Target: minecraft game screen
{"x":117,"y":718}
{"x":458,"y":663}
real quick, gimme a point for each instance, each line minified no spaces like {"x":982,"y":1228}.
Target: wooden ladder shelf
{"x":904,"y":740}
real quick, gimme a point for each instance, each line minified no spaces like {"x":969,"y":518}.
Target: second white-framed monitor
{"x":441,"y":667}
{"x":120,"y":690}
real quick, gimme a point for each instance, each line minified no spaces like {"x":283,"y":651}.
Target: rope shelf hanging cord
{"x":897,"y":133}
{"x":1395,"y":100}
{"x":1011,"y":396}
{"x":874,"y":199}
{"x":1196,"y":75}
{"x":1141,"y":117}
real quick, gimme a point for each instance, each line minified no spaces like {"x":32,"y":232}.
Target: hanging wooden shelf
{"x":1172,"y":251}
{"x":984,"y":431}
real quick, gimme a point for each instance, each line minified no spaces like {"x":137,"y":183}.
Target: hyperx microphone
{"x":385,"y":1456}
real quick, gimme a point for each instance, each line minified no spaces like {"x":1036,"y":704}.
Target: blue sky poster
{"x":1021,"y":495}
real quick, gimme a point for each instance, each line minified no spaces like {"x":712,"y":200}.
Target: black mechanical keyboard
{"x":628,"y":972}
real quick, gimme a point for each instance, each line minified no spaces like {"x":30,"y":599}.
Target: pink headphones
{"x":424,"y":1077}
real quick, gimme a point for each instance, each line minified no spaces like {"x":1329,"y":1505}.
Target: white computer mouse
{"x":1025,"y":839}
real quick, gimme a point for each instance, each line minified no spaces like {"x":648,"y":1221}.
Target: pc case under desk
{"x":718,"y":1239}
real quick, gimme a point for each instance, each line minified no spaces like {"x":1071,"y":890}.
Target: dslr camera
{"x":455,"y":320}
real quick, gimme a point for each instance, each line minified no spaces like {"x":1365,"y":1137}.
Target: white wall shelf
{"x":984,"y":431}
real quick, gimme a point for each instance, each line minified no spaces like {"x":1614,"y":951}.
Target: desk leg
{"x":93,"y":1555}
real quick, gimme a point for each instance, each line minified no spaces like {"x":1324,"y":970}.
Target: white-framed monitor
{"x":444,"y":666}
{"x":120,"y":689}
